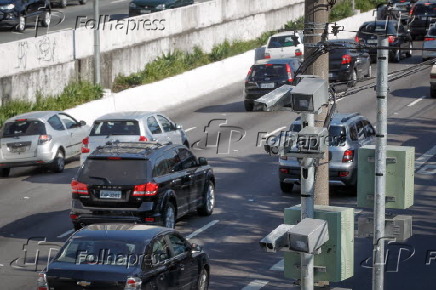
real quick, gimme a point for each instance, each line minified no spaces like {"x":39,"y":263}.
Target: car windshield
{"x":98,"y":252}
{"x":104,"y":128}
{"x":268,"y":70}
{"x":337,"y":134}
{"x":283,"y":41}
{"x":23,"y":128}
{"x":115,"y":172}
{"x":425,"y":8}
{"x":370,"y":28}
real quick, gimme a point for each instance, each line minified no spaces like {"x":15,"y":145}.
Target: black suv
{"x":422,"y":15}
{"x":18,"y":13}
{"x":400,"y":40}
{"x":141,"y":182}
{"x":348,"y":62}
{"x":267,"y":75}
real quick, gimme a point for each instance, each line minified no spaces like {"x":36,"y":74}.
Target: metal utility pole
{"x":97,"y":79}
{"x":380,"y":166}
{"x":316,"y":17}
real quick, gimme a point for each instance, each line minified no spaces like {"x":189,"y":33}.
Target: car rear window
{"x":268,"y":70}
{"x":23,"y":128}
{"x":370,"y":28}
{"x":283,"y":41}
{"x":104,"y":128}
{"x":115,"y":172}
{"x":98,"y":252}
{"x":425,"y":8}
{"x":337,"y":134}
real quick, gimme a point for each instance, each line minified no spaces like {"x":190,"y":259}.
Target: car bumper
{"x":337,"y":176}
{"x":342,"y":75}
{"x":141,"y":11}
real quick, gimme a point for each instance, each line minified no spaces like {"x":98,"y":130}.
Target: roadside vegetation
{"x":74,"y":94}
{"x":343,"y":9}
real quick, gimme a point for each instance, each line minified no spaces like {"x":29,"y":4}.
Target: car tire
{"x":77,"y":226}
{"x":396,"y":57}
{"x":5,"y":172}
{"x":248,"y":106}
{"x":286,"y":187}
{"x":169,"y":216}
{"x":424,"y":59}
{"x":82,"y":2}
{"x":46,"y":19}
{"x":369,"y":74}
{"x":59,"y":162}
{"x":22,"y":23}
{"x":353,"y":80}
{"x":432,"y":94}
{"x":186,"y":143}
{"x":203,"y":280}
{"x":409,"y":52}
{"x":63,"y":3}
{"x":208,"y":205}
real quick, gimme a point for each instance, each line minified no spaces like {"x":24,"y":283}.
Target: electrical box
{"x":400,"y":175}
{"x":399,"y":226}
{"x":336,"y":261}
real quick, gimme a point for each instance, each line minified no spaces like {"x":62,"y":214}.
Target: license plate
{"x":145,"y":11}
{"x":371,"y":41}
{"x":330,"y":75}
{"x":267,"y":86}
{"x":19,"y":149}
{"x":115,"y":194}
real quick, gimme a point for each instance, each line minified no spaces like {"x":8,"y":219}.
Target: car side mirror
{"x":177,"y":126}
{"x":82,"y":123}
{"x":202,"y":161}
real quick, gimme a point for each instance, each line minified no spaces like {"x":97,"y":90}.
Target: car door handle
{"x":182,"y":267}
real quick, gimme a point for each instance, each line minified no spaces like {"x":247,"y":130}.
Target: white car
{"x":44,"y":138}
{"x":132,"y":126}
{"x":285,"y":45}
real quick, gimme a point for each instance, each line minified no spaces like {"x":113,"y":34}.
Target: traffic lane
{"x":73,"y":14}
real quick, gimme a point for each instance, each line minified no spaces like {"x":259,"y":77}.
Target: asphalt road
{"x":68,"y":18}
{"x":249,"y":202}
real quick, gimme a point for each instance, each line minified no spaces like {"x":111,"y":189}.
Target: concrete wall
{"x":49,"y":62}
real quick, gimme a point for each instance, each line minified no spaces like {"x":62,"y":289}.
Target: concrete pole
{"x":97,"y":78}
{"x":380,"y":166}
{"x":316,"y":16}
{"x":307,"y":206}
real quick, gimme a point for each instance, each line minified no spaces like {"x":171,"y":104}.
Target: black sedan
{"x":400,"y":41}
{"x":126,"y":256}
{"x":138,"y":7}
{"x":348,"y":62}
{"x":18,"y":13}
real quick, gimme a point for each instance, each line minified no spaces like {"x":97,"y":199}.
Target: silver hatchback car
{"x":347,"y":133}
{"x":44,"y":138}
{"x":132,"y":126}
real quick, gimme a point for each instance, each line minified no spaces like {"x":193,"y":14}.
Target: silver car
{"x":132,"y":126}
{"x":45,"y":138}
{"x":347,"y":133}
{"x":429,"y":43}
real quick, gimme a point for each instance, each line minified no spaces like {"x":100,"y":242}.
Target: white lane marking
{"x":425,"y":157}
{"x":1,"y":265}
{"x":66,"y":234}
{"x":190,"y":129}
{"x":118,"y":1}
{"x":416,"y":101}
{"x":428,"y":169}
{"x":202,"y":229}
{"x":26,"y":197}
{"x":280,"y":266}
{"x":255,"y":285}
{"x":275,"y":131}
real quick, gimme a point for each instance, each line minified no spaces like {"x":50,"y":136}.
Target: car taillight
{"x":147,"y":189}
{"x":143,"y":138}
{"x":348,"y":156}
{"x":346,"y":58}
{"x":79,"y":188}
{"x":248,"y":74}
{"x":284,"y":170}
{"x":391,"y":39}
{"x":85,"y":143}
{"x":43,"y":139}
{"x":429,"y":38}
{"x":74,"y":216}
{"x":267,"y":55}
{"x":356,"y":39}
{"x":288,"y":70}
{"x":133,"y":283}
{"x":298,"y":52}
{"x":42,"y":282}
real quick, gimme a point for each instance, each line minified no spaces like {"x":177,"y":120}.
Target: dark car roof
{"x":131,"y":232}
{"x":134,"y":150}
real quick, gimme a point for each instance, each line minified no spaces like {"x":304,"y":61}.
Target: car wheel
{"x":432,"y":94}
{"x":353,"y":80}
{"x":369,"y":74}
{"x":203,"y":280}
{"x":82,"y":2}
{"x":424,"y":59}
{"x":22,"y":23}
{"x":248,"y":106}
{"x":209,"y":200}
{"x":409,"y":52}
{"x":45,"y":22}
{"x":169,"y":216}
{"x":59,"y":162}
{"x":63,"y":3}
{"x":5,"y":172}
{"x":397,"y":56}
{"x":77,"y":226}
{"x":286,"y":187}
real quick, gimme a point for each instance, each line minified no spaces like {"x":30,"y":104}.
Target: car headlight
{"x":160,"y":6}
{"x":132,"y":5}
{"x":7,"y":7}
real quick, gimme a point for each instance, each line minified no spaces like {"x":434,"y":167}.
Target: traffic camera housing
{"x":309,"y":95}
